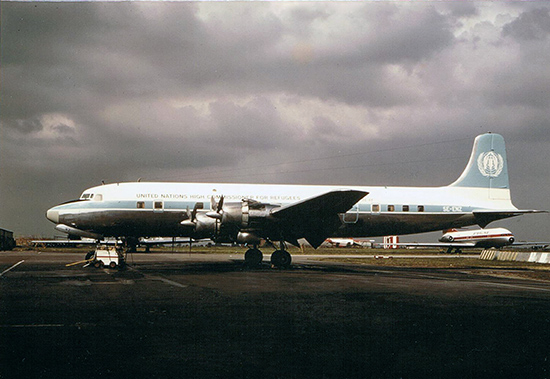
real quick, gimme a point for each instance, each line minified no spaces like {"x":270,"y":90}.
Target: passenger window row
{"x":391,"y":208}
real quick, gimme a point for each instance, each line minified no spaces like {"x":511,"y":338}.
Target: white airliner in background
{"x":349,"y":242}
{"x":460,"y":239}
{"x":247,"y":213}
{"x":491,"y":237}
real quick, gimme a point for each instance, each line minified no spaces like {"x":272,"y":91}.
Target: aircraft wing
{"x":315,"y":218}
{"x":431,"y":244}
{"x":459,"y":245}
{"x":70,"y":242}
{"x":529,"y":243}
{"x":163,"y":241}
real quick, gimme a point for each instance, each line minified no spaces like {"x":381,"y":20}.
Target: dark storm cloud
{"x":61,"y":56}
{"x":199,"y":90}
{"x":532,"y":25}
{"x":521,"y":79}
{"x":460,"y":9}
{"x":25,"y":126}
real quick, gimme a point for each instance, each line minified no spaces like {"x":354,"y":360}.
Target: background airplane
{"x":476,"y":238}
{"x":349,"y":242}
{"x":147,"y":242}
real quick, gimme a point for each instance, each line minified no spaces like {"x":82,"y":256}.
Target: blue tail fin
{"x":487,"y":167}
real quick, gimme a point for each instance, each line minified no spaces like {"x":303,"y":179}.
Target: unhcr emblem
{"x":490,"y":164}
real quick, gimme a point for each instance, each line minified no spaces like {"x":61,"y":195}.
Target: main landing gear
{"x":280,"y":258}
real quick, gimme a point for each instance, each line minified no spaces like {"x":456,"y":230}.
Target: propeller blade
{"x":220,"y":204}
{"x":213,"y":204}
{"x":194,"y":212}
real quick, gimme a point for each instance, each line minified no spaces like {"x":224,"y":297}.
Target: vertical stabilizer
{"x":487,"y":167}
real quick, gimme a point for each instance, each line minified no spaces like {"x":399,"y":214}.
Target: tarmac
{"x":206,"y":316}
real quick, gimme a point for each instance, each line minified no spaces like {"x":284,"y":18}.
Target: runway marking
{"x":12,"y":267}
{"x":516,"y":286}
{"x":167,"y":281}
{"x":33,"y":326}
{"x":519,"y":286}
{"x":77,"y":325}
{"x":90,"y":283}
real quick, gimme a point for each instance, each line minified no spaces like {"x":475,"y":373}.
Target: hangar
{"x":6,"y":239}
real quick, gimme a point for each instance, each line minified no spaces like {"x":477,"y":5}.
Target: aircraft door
{"x":351,"y":216}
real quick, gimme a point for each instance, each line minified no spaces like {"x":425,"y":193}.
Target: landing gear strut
{"x":130,"y":244}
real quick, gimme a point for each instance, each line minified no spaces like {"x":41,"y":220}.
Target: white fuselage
{"x":492,"y":237}
{"x":157,"y":209}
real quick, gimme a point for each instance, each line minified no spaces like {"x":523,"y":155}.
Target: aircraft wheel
{"x":281,"y":258}
{"x":112,"y":264}
{"x":253,"y":257}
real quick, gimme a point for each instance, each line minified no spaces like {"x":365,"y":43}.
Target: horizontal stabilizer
{"x":484,"y":217}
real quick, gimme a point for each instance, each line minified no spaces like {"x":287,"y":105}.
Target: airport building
{"x":6,"y":239}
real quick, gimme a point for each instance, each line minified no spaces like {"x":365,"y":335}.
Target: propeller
{"x":191,"y":216}
{"x":218,"y":213}
{"x":203,"y":225}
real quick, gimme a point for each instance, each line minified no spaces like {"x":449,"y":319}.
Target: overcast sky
{"x":376,"y":93}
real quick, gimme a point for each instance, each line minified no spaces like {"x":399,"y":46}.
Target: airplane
{"x":477,"y":238}
{"x":250,"y":213}
{"x":147,"y":242}
{"x":348,"y":242}
{"x":492,"y":237}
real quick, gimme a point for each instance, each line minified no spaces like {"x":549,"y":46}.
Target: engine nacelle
{"x":248,"y":238}
{"x":245,"y":214}
{"x":206,"y":227}
{"x":233,"y":221}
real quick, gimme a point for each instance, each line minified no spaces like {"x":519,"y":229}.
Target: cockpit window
{"x":90,"y":196}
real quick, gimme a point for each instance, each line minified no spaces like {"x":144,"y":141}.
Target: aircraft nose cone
{"x":53,"y":215}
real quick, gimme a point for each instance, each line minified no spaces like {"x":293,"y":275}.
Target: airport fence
{"x":515,"y":256}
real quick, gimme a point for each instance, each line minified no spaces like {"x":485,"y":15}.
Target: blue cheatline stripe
{"x":130,"y":204}
{"x":183,"y":205}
